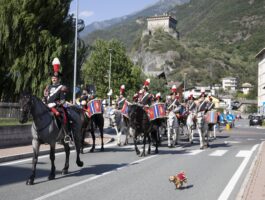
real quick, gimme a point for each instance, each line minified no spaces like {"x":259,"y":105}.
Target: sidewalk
{"x":253,"y":188}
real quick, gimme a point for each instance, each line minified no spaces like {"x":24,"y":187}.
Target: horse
{"x":46,"y":129}
{"x":91,"y":123}
{"x":191,"y":125}
{"x":140,"y":124}
{"x":172,"y":129}
{"x":120,"y":124}
{"x":202,"y":128}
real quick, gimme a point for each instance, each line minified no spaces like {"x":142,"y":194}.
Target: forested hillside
{"x":217,"y":39}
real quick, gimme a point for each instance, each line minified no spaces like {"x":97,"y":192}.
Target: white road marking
{"x":251,"y":139}
{"x":218,"y":153}
{"x":231,"y":142}
{"x":90,"y":179}
{"x":243,"y":154}
{"x":230,"y":186}
{"x":194,"y":152}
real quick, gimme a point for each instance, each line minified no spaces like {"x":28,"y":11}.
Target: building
{"x":261,"y":81}
{"x":165,"y":22}
{"x":229,"y":83}
{"x":246,"y":87}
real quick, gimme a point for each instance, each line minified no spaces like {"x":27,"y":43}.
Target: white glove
{"x":51,"y":105}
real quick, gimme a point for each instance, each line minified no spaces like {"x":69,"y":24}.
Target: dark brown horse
{"x":140,"y":124}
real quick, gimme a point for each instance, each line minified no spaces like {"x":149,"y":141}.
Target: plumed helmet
{"x":203,"y":92}
{"x":190,"y":96}
{"x":122,"y":89}
{"x":158,"y":95}
{"x":146,"y":84}
{"x":56,"y":67}
{"x":174,"y":89}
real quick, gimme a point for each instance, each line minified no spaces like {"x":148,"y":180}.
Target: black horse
{"x":141,"y":125}
{"x":91,"y":123}
{"x":47,"y":130}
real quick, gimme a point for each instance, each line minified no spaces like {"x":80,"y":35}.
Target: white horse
{"x":120,"y":125}
{"x":191,"y":126}
{"x":172,"y":129}
{"x":202,"y":128}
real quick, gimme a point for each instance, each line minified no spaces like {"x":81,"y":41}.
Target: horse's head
{"x":25,"y":102}
{"x":115,"y":116}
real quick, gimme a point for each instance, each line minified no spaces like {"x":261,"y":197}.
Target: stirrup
{"x":67,"y":139}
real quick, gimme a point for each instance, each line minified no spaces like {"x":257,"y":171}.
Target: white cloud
{"x":86,"y":13}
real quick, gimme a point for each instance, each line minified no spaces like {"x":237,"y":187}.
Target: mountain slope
{"x":217,"y":39}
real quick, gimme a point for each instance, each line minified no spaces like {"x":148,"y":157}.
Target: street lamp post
{"x":110,"y":92}
{"x":75,"y":59}
{"x":184,"y":87}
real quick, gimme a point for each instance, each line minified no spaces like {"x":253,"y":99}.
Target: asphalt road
{"x":118,"y":173}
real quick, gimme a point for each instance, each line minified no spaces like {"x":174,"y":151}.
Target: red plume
{"x":56,"y":65}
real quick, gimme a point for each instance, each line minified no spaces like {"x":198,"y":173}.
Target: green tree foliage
{"x":33,"y":32}
{"x":96,"y":69}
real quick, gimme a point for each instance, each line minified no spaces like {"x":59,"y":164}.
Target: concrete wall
{"x":15,"y":135}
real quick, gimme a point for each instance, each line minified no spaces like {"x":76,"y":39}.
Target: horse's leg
{"x":144,"y":142}
{"x":118,"y":136}
{"x":83,"y":132}
{"x":101,"y":135}
{"x":67,"y":154}
{"x":157,"y":143}
{"x":200,"y":131}
{"x":135,"y":143}
{"x":52,"y":158}
{"x":149,"y":144}
{"x":168,"y":137}
{"x":176,"y":136}
{"x":93,"y":137}
{"x":36,"y":148}
{"x":214,"y":131}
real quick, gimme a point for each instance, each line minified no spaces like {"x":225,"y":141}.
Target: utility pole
{"x":110,"y":92}
{"x":75,"y":59}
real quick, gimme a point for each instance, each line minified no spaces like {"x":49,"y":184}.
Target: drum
{"x":156,"y":111}
{"x":211,"y":117}
{"x":124,"y":110}
{"x":94,"y":107}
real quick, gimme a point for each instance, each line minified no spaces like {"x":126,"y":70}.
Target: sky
{"x":99,"y":10}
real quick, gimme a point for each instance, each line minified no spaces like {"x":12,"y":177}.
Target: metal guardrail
{"x":9,"y":110}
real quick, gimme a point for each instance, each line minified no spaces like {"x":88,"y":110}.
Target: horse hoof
{"x":79,"y":163}
{"x":30,"y":182}
{"x":51,"y":177}
{"x":156,"y":151}
{"x":64,"y":171}
{"x":92,"y":150}
{"x":102,"y":149}
{"x":201,"y":148}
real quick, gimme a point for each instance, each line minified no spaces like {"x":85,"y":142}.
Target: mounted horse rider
{"x":192,"y":108}
{"x":121,"y":99}
{"x":55,"y":98}
{"x":173,"y":103}
{"x":145,"y":98}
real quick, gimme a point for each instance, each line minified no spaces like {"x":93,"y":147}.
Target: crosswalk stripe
{"x":218,"y":153}
{"x":194,"y":152}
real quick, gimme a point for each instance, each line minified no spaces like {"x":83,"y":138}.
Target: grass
{"x":11,"y":122}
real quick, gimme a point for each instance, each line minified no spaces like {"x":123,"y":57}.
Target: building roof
{"x":229,"y":77}
{"x":261,"y":52}
{"x":171,"y":83}
{"x":247,"y":85}
{"x":161,"y":17}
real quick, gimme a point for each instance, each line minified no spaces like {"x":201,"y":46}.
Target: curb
{"x":242,"y":194}
{"x":41,"y":153}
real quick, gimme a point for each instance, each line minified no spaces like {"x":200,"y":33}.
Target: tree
{"x":96,"y":69}
{"x":32,"y":34}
